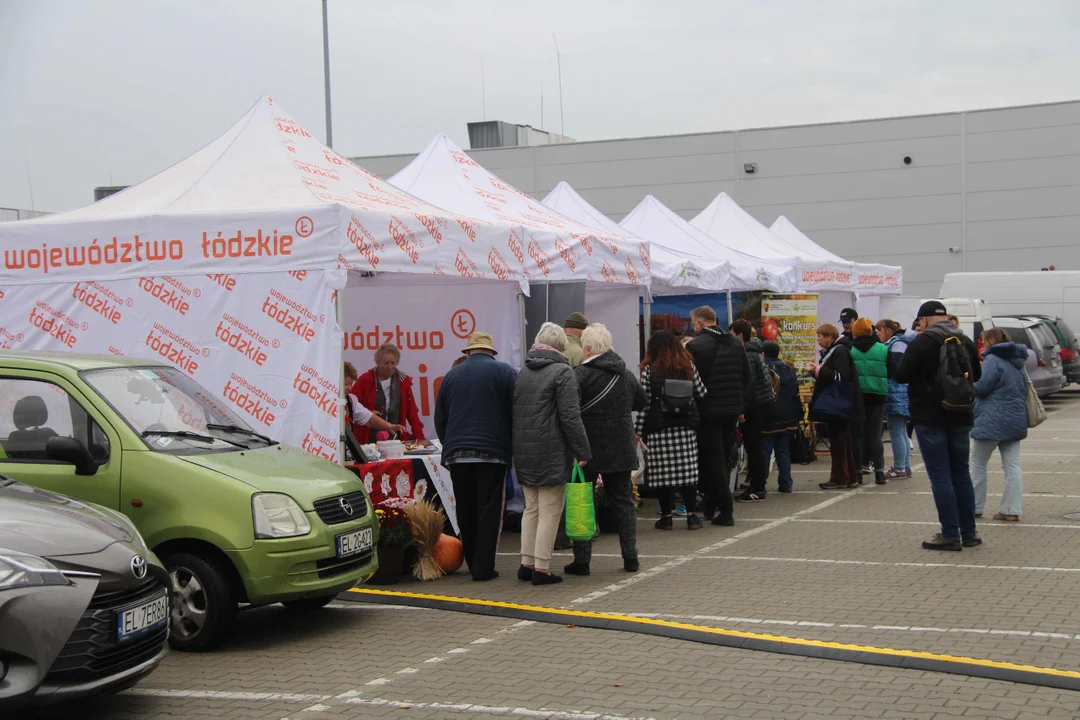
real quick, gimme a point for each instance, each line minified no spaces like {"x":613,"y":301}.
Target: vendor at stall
{"x":359,"y":417}
{"x":388,"y":393}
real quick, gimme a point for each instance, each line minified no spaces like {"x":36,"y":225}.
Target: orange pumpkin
{"x":448,"y":553}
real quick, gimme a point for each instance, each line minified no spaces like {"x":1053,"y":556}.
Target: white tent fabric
{"x":265,"y":196}
{"x":658,"y":224}
{"x":868,"y":278}
{"x":672,"y":272}
{"x":444,"y":175}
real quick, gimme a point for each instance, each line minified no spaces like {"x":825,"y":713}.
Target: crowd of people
{"x":685,"y":407}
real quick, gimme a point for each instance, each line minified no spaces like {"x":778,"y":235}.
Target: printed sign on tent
{"x":791,"y":321}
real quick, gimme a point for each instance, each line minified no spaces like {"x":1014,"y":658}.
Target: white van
{"x":974,"y":315}
{"x":1055,"y":293}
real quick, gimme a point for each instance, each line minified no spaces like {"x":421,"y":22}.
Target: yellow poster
{"x":791,"y":321}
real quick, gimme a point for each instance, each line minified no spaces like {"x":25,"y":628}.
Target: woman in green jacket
{"x":871,"y":359}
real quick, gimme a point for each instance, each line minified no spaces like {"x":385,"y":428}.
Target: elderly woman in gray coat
{"x":548,"y":437}
{"x":610,"y":393}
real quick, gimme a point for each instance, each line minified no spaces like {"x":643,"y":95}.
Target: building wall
{"x":1000,"y":186}
{"x":11,"y":214}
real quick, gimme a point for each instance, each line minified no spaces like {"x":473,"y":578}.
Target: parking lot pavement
{"x":844,"y":567}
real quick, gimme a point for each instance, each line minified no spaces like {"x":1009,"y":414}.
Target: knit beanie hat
{"x":862,"y":328}
{"x":576,"y":321}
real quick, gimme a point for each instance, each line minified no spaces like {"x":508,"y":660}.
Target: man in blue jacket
{"x":473,"y":418}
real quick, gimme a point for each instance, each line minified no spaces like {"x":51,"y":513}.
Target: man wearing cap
{"x":848,"y":316}
{"x":574,"y":326}
{"x":943,"y":433}
{"x":473,"y":418}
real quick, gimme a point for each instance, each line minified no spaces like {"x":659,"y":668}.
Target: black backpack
{"x":954,"y":376}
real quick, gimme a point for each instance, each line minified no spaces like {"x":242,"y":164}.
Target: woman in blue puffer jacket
{"x":896,"y":405}
{"x":1000,"y":420}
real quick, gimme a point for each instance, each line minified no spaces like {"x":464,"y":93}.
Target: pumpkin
{"x":448,"y":553}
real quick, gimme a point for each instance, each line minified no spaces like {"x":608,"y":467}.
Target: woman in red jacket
{"x":389,"y":394}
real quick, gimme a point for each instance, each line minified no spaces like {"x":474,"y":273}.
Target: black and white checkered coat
{"x":672,"y":456}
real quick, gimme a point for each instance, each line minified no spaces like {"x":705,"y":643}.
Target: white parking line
{"x":876,"y":563}
{"x":982,"y":525}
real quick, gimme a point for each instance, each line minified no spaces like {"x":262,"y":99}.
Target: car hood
{"x":282,"y":469}
{"x":42,"y":523}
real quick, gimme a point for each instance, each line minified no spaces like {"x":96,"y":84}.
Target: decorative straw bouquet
{"x":427,"y":524}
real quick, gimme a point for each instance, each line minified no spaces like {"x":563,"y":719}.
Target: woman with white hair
{"x":548,"y":438}
{"x":609,"y":394}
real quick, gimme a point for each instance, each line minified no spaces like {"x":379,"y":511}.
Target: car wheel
{"x":308,"y":604}
{"x":203,"y":601}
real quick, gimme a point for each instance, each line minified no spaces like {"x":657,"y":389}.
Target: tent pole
{"x":647,"y":317}
{"x":339,"y":306}
{"x":730,"y":312}
{"x":521,"y":326}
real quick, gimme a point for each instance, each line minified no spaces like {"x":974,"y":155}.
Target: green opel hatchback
{"x":235,"y":517}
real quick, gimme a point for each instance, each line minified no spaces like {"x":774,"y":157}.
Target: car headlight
{"x":19,"y":570}
{"x":278,"y":516}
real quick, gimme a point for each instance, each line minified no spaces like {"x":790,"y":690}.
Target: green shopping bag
{"x":580,"y":511}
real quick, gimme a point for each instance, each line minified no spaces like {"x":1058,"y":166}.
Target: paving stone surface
{"x":842,"y":567}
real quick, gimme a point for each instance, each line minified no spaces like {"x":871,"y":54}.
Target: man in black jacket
{"x":724,"y":369}
{"x":848,"y":316}
{"x":943,"y":434}
{"x":757,"y":411}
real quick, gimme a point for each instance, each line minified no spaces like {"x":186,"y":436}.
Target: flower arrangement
{"x":427,"y":524}
{"x":394,"y":527}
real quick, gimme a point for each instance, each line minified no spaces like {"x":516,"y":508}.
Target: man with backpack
{"x":724,"y":369}
{"x":756,"y":413}
{"x":940,"y":368}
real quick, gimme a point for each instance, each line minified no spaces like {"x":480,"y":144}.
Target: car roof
{"x":74,"y":361}
{"x":1023,"y":321}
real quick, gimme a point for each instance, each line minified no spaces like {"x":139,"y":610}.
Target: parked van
{"x":1055,"y":293}
{"x":1048,"y":376}
{"x":234,"y":516}
{"x":973,"y":314}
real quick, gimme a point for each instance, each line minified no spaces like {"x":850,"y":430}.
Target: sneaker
{"x":724,"y":520}
{"x":664,"y":523}
{"x":746,"y":497}
{"x":631,"y":565}
{"x":879,"y":478}
{"x":1006,"y":518}
{"x":693,"y":522}
{"x":576,"y":568}
{"x":940,"y":542}
{"x":865,"y":470}
{"x":545,"y":578}
{"x":525,"y":573}
{"x":973,"y":541}
{"x":907,"y":473}
{"x":895,"y":474}
{"x":834,"y":486}
{"x":681,"y":510}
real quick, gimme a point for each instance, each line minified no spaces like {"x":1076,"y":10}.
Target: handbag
{"x":580,"y":507}
{"x":835,"y":402}
{"x":677,"y":397}
{"x":1036,"y":413}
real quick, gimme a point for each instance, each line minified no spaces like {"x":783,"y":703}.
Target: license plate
{"x":354,"y":543}
{"x":143,"y":617}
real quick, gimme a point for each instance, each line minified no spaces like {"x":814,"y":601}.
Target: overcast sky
{"x":99,"y":92}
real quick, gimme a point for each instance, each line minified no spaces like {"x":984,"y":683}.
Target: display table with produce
{"x":413,"y":477}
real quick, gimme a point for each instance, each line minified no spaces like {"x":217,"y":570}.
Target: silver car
{"x":1046,"y":371}
{"x":84,"y":606}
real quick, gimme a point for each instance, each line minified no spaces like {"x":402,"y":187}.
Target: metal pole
{"x":558,"y":58}
{"x":483,"y":89}
{"x":326,"y":75}
{"x":647,"y":318}
{"x":730,"y":312}
{"x":521,"y":325}
{"x":339,"y":306}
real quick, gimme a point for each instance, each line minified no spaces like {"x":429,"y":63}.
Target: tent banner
{"x":873,"y":279}
{"x":429,"y":325}
{"x":263,"y":344}
{"x":791,"y":321}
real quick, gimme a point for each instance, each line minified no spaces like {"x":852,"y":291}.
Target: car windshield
{"x":172,"y":412}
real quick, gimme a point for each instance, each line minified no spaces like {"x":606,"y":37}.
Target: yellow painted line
{"x":894,"y":652}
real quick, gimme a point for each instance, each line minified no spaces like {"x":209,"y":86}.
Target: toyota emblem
{"x":138,"y":567}
{"x":346,"y":506}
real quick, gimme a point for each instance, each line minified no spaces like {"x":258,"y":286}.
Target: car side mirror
{"x":71,"y":450}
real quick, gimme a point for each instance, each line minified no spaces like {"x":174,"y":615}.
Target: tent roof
{"x":785,"y":229}
{"x":444,"y":175}
{"x":727,"y":223}
{"x":655,"y":221}
{"x":671,"y":271}
{"x":266,"y":176}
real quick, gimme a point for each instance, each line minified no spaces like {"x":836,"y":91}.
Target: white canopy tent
{"x":672,"y":272}
{"x":228,"y":263}
{"x":613,"y":267}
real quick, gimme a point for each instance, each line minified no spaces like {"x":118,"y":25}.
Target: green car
{"x":235,"y":517}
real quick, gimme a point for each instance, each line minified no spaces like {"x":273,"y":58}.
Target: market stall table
{"x":410,"y":478}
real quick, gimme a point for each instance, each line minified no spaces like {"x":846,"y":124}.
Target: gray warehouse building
{"x":981,"y":190}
